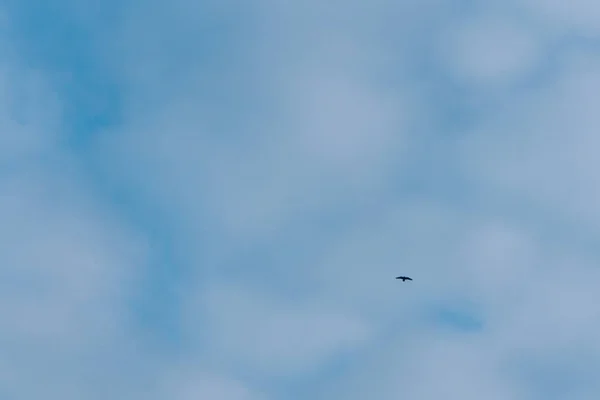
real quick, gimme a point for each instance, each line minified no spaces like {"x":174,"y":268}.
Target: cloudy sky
{"x":209,"y":200}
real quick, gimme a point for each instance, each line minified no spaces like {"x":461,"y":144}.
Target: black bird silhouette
{"x":404,"y":278}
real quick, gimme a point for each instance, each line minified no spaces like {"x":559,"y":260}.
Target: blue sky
{"x":210,"y":200}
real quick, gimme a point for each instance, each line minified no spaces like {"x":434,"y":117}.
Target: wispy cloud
{"x":224,"y":218}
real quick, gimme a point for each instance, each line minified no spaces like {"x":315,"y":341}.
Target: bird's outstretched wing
{"x":404,"y":278}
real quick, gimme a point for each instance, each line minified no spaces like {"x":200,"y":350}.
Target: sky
{"x":209,"y":200}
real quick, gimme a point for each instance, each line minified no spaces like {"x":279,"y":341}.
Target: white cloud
{"x":343,"y":126}
{"x":66,"y":261}
{"x":29,"y":113}
{"x":579,"y":16}
{"x":58,"y":245}
{"x":540,"y":148}
{"x":318,"y":135}
{"x":490,"y":51}
{"x":66,"y":268}
{"x":191,"y":384}
{"x":536,"y":300}
{"x":322,"y":129}
{"x":272,"y":337}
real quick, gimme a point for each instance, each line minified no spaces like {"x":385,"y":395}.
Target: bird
{"x":404,"y":278}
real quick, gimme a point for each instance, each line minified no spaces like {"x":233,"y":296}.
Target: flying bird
{"x":404,"y":278}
